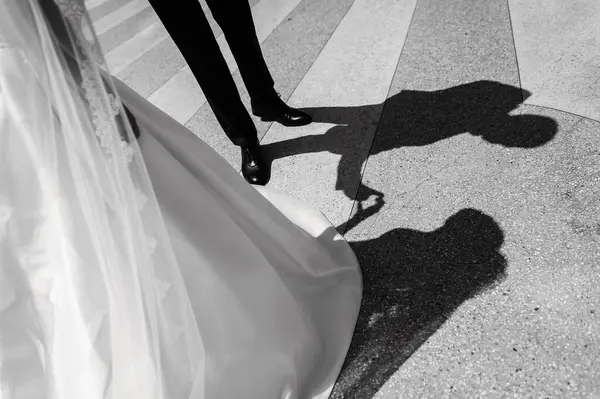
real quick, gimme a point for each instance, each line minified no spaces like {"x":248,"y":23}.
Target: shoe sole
{"x":286,"y":124}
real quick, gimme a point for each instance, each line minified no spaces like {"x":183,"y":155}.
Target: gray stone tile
{"x":559,"y":55}
{"x":119,"y":16}
{"x":452,"y":45}
{"x":121,"y":57}
{"x":106,"y":8}
{"x":154,"y":68}
{"x":124,"y":31}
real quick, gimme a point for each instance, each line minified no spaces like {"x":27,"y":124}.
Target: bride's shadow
{"x":413,"y":282}
{"x":418,"y":118}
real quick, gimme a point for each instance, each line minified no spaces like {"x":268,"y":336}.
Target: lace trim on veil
{"x":74,"y":11}
{"x":94,"y":90}
{"x":104,"y":111}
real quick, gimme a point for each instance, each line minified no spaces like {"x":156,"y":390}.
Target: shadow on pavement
{"x":417,"y":118}
{"x":413,"y":282}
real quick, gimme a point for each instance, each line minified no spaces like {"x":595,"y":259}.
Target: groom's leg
{"x":187,"y":25}
{"x":235,"y":19}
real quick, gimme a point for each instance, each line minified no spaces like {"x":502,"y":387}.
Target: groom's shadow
{"x":413,"y":282}
{"x":418,"y":118}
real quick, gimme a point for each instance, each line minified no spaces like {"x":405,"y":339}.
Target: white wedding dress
{"x":263,"y":289}
{"x":275,"y":289}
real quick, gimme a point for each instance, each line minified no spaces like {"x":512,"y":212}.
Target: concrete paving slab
{"x":121,"y":33}
{"x":121,"y":14}
{"x":93,"y":4}
{"x":121,"y":57}
{"x":104,"y":7}
{"x":558,"y":46}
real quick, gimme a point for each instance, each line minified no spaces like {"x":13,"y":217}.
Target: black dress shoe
{"x":276,"y":110}
{"x":254,"y":167}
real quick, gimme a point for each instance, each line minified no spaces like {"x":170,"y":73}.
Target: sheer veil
{"x":92,"y":302}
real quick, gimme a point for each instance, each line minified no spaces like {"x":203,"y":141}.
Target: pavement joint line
{"x":383,"y":109}
{"x":563,"y":111}
{"x":512,"y":35}
{"x":313,"y":62}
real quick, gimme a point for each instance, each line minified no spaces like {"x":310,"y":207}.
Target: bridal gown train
{"x":275,"y":290}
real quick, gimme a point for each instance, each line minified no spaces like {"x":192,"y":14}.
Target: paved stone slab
{"x":121,"y":14}
{"x":119,"y":58}
{"x":558,"y":45}
{"x":128,"y":28}
{"x":99,"y":9}
{"x":92,"y":4}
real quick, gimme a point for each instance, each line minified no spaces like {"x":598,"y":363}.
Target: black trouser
{"x":188,"y":27}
